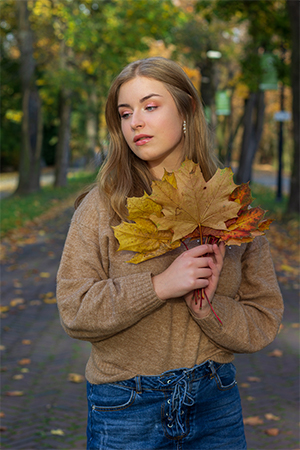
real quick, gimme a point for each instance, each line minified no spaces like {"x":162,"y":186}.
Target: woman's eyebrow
{"x":141,"y":100}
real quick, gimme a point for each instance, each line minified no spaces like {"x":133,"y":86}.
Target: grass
{"x":266,"y":199}
{"x":17,"y":210}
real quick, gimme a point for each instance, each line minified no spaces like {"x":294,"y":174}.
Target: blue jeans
{"x":185,"y":409}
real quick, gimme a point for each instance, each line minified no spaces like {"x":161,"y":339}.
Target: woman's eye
{"x":150,"y":108}
{"x":125,"y":115}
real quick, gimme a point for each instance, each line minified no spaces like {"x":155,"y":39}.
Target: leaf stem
{"x":212,"y":308}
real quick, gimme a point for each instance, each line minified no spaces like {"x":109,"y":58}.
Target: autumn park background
{"x":58,"y":58}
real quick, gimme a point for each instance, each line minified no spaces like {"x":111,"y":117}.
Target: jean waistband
{"x":178,"y":383}
{"x":170,"y":378}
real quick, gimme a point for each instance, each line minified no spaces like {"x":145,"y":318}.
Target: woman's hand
{"x":191,"y":270}
{"x":215,"y":264}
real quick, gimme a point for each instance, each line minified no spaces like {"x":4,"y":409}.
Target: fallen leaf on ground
{"x":2,"y":347}
{"x":2,"y":414}
{"x":16,"y":301}
{"x":287,"y":268}
{"x":254,"y":379}
{"x":25,"y":370}
{"x":50,"y":301}
{"x":47,"y":295}
{"x":14,"y":393}
{"x":76,"y":378}
{"x":2,"y":429}
{"x":270,"y":416}
{"x":277,"y":353}
{"x":244,"y":385}
{"x":35,"y":302}
{"x":4,"y":309}
{"x":26,"y":342}
{"x":253,"y":420}
{"x":58,"y":432}
{"x":45,"y":275}
{"x":18,"y":377}
{"x":272,"y":431}
{"x":250,"y":398}
{"x":24,"y":361}
{"x":295,"y":325}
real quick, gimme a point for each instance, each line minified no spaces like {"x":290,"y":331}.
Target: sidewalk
{"x":44,"y":410}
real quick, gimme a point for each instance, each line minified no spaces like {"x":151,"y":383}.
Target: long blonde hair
{"x":123,"y":173}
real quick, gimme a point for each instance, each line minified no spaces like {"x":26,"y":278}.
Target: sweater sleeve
{"x":93,"y":306}
{"x":250,"y":320}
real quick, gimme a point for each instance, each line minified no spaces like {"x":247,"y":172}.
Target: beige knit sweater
{"x":112,"y":304}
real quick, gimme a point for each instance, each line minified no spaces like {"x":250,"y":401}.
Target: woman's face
{"x":151,"y":124}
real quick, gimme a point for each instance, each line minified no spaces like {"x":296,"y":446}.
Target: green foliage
{"x":267,"y":26}
{"x":10,"y":93}
{"x":16,"y":211}
{"x":81,"y":45}
{"x":266,"y":198}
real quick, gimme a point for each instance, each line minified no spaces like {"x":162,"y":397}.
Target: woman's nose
{"x":136,"y":121}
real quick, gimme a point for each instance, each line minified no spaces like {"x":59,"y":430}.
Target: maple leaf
{"x":242,"y":195}
{"x":184,"y":206}
{"x":195,"y":203}
{"x":144,"y":237}
{"x":142,"y":207}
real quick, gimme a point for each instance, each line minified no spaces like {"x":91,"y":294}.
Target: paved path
{"x":36,"y":347}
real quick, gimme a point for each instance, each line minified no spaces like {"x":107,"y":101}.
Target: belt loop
{"x":212,"y":368}
{"x":138,"y":384}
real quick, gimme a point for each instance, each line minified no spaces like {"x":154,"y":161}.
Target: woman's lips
{"x":142,"y":139}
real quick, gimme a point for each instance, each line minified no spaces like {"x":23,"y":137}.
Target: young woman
{"x":160,"y":374}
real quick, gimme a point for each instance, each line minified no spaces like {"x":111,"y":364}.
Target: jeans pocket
{"x":110,"y":397}
{"x":225,"y":376}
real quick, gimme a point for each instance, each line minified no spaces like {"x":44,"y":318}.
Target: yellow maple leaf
{"x":142,"y":207}
{"x":195,"y":202}
{"x":144,"y":237}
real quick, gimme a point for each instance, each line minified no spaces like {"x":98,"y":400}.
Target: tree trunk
{"x":294,"y":197}
{"x":208,"y":88}
{"x":253,"y":127}
{"x":92,"y":125}
{"x":232,"y":136}
{"x":64,"y":134}
{"x":32,"y":126}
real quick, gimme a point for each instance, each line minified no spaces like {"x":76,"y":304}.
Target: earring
{"x":184,"y":127}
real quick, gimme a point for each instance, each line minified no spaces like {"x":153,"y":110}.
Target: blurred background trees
{"x":60,"y":56}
